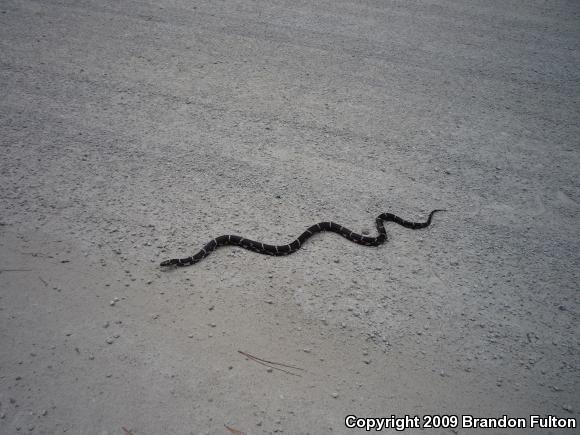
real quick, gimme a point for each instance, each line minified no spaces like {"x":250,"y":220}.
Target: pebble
{"x":109,"y":340}
{"x":335,"y":395}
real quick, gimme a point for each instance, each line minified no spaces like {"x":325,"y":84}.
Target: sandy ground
{"x":133,"y":132}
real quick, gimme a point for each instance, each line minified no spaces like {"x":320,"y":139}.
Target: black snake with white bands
{"x":290,"y":248}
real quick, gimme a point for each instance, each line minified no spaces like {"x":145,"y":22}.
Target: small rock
{"x":109,"y":340}
{"x":335,"y":395}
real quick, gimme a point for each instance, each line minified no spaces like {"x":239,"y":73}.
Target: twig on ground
{"x":15,"y":270}
{"x":273,"y":368}
{"x":234,"y":431}
{"x":271,"y":364}
{"x":127,"y":431}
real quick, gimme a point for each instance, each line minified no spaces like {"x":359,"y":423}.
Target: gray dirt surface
{"x":136,"y":131}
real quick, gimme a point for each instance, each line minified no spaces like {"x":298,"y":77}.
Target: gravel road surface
{"x":136,"y":131}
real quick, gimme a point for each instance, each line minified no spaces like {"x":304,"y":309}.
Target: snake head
{"x":168,"y":262}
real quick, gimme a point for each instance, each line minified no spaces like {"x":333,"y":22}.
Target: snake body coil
{"x":279,"y":250}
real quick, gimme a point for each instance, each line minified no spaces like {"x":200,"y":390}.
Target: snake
{"x":290,"y":248}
